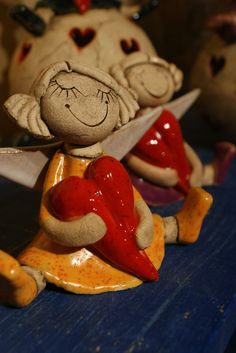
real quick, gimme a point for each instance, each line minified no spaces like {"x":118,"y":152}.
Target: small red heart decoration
{"x":25,"y":49}
{"x":163,"y":146}
{"x":82,"y":37}
{"x":107,"y":191}
{"x":82,"y":5}
{"x":130,"y":46}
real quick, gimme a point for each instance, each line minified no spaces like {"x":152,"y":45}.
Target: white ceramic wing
{"x":26,"y":165}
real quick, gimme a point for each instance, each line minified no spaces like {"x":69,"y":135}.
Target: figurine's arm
{"x":82,"y":231}
{"x":197,"y":167}
{"x":86,"y":230}
{"x":145,"y":228}
{"x":157,"y":175}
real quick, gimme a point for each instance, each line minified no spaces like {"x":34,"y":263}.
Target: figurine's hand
{"x":145,"y":228}
{"x":167,"y":177}
{"x":80,"y":232}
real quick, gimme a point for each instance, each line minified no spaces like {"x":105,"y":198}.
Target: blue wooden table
{"x":191,"y":309}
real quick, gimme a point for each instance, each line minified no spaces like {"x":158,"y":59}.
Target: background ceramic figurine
{"x":99,"y":37}
{"x":80,"y":246}
{"x":214,"y":72}
{"x":162,"y":158}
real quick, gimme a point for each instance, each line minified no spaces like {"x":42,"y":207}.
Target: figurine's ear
{"x":128,"y":105}
{"x":118,"y":73}
{"x":26,"y":111}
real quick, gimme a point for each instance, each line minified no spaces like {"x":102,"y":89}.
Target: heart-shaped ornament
{"x":129,"y":46}
{"x":107,"y":191}
{"x":82,"y":37}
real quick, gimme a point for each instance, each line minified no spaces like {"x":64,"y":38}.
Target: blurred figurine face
{"x":99,"y":38}
{"x":154,"y":85}
{"x":79,"y":109}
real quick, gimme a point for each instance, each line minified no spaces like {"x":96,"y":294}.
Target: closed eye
{"x":107,"y":96}
{"x":57,"y":89}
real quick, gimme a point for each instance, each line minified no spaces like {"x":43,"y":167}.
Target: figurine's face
{"x":153,"y":84}
{"x":99,"y":38}
{"x":79,"y":109}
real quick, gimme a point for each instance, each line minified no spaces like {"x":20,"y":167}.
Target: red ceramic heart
{"x":25,"y":50}
{"x":163,"y":146}
{"x":106,"y":190}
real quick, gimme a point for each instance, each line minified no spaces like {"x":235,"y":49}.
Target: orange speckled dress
{"x":80,"y":270}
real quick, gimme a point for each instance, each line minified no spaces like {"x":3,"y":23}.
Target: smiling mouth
{"x":155,"y":95}
{"x":82,"y":122}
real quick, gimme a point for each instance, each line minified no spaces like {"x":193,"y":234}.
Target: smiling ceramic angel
{"x":162,"y":159}
{"x":84,"y":248}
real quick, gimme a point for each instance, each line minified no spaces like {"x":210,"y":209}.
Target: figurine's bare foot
{"x":192,"y":214}
{"x":17,"y":288}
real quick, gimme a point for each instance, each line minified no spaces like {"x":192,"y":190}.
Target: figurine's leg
{"x":19,"y":285}
{"x":185,"y":226}
{"x":216,"y":172}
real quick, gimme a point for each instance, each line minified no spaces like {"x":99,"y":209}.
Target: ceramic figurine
{"x":101,"y":37}
{"x":94,"y":224}
{"x":214,"y":72}
{"x":162,"y":159}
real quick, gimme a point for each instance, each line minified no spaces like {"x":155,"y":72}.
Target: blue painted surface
{"x":191,"y":309}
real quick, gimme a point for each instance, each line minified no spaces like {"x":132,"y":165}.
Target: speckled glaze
{"x":81,"y":270}
{"x":192,"y":214}
{"x":23,"y":285}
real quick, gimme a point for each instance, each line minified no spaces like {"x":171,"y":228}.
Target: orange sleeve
{"x":61,"y":167}
{"x":54,"y":175}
